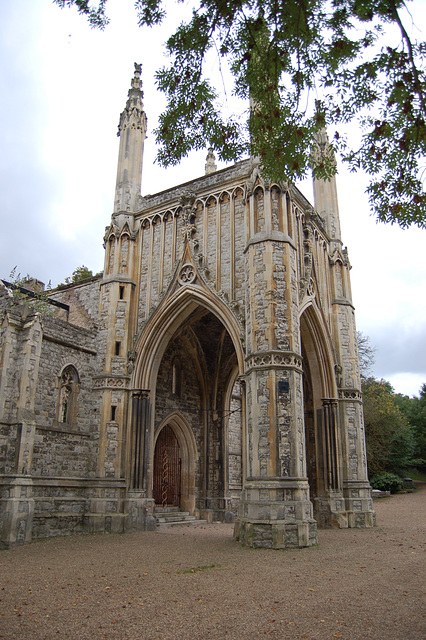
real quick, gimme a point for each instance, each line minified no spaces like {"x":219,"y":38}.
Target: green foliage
{"x":355,"y":54}
{"x":29,"y":292}
{"x":414,"y":410}
{"x":96,"y":16}
{"x":387,"y":482}
{"x":79,"y":274}
{"x":390,"y":438}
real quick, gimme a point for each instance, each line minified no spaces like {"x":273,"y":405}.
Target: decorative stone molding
{"x":187,"y":274}
{"x":110,"y":382}
{"x":340,"y":256}
{"x":350,"y":394}
{"x":307,"y":259}
{"x":287,"y":360}
{"x":311,"y":288}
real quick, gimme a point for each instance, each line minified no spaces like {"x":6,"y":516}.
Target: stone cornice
{"x":118,"y":277}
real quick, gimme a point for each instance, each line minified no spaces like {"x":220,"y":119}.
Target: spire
{"x":210,"y":162}
{"x":132,"y":133}
{"x":325,"y":191}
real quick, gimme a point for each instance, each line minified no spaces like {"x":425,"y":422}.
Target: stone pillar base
{"x":16,"y":512}
{"x":139,"y":514}
{"x":363,"y":520}
{"x":276,"y":514}
{"x":359,"y":504}
{"x":330,"y":512}
{"x":276,"y":535}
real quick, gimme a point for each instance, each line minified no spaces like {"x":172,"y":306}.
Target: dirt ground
{"x":196,"y":583}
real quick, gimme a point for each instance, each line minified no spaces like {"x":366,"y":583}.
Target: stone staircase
{"x":173,"y":516}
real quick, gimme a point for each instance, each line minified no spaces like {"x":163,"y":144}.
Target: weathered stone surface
{"x":214,"y":365}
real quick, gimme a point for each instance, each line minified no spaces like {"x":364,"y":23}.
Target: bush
{"x":387,"y":482}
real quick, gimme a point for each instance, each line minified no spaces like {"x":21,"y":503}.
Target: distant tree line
{"x":395,"y":424}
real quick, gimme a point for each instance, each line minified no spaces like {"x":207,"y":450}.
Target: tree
{"x":389,"y":436}
{"x":365,"y":354}
{"x":414,"y":410}
{"x":79,"y":274}
{"x":356,"y":55}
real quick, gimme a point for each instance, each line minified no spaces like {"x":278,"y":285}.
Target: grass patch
{"x":416,"y":475}
{"x":202,"y":568}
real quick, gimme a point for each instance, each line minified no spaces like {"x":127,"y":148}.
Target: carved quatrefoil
{"x":187,"y":274}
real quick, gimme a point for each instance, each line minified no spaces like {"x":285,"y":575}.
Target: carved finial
{"x":136,"y":80}
{"x":134,"y":105}
{"x":210,"y":162}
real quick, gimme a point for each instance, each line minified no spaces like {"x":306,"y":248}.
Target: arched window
{"x":69,"y":385}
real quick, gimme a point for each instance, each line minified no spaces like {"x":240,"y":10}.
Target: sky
{"x":63,"y":86}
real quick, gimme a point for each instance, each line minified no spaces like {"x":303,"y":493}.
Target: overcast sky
{"x":63,"y":86}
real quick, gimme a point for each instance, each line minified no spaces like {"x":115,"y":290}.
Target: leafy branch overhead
{"x":301,"y":66}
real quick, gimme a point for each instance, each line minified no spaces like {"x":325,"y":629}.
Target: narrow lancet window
{"x":176,"y":377}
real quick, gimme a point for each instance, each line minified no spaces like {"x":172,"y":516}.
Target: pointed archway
{"x":322,"y":430}
{"x":187,"y":364}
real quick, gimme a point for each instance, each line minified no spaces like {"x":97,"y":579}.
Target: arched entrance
{"x":188,"y":363}
{"x":167,"y":469}
{"x":174,"y":464}
{"x":322,"y":433}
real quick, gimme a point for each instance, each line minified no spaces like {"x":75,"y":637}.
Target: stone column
{"x":139,"y":507}
{"x":140,"y":449}
{"x":24,"y":331}
{"x":275,"y":509}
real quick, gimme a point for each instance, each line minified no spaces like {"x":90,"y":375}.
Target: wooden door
{"x":167,"y":469}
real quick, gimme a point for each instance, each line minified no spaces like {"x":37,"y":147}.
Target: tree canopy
{"x":79,"y":274}
{"x":414,"y":410}
{"x":391,"y":441}
{"x":299,"y":67}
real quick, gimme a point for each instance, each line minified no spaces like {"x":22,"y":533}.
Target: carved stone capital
{"x":274,"y":359}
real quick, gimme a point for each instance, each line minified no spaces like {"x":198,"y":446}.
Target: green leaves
{"x":95,"y":16}
{"x":353,"y":55}
{"x":390,"y":438}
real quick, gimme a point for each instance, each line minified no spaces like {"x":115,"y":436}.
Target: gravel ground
{"x":192,"y":583}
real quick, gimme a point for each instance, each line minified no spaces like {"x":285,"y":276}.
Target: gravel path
{"x":196,"y":583}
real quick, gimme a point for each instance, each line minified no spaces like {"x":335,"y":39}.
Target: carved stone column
{"x":140,"y":449}
{"x":275,"y":510}
{"x":139,"y":507}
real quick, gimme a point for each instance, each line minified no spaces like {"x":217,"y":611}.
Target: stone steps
{"x":172,"y":517}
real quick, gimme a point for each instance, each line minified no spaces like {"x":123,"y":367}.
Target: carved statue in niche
{"x":67,"y":397}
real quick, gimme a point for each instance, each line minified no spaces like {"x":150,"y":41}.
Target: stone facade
{"x":216,"y":356}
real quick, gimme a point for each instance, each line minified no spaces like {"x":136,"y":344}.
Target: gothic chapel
{"x":210,"y":373}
